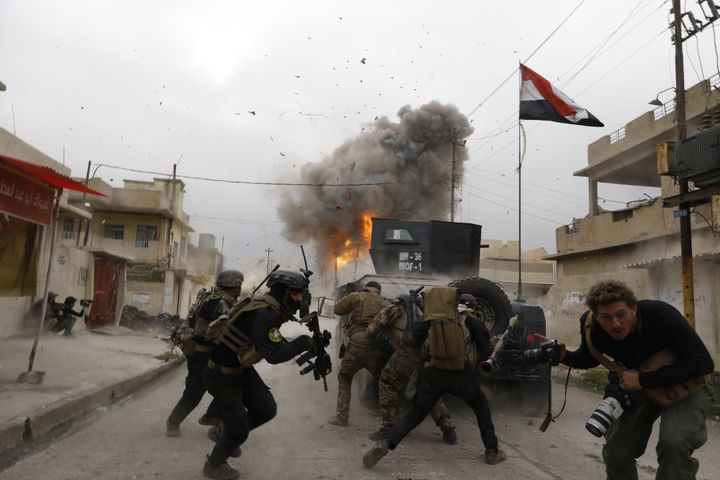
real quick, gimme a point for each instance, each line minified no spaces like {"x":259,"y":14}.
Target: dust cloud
{"x":409,"y":161}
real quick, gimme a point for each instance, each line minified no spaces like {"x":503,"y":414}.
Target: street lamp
{"x":656,"y":101}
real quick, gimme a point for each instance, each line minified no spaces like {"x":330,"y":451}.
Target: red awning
{"x":48,"y":175}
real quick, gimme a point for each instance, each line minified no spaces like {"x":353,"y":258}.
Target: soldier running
{"x":396,"y":323}
{"x":196,"y":348}
{"x":362,"y":351}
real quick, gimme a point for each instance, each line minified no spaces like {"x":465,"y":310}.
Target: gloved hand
{"x":306,"y":343}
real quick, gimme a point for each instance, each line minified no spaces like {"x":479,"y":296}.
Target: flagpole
{"x":519,"y":288}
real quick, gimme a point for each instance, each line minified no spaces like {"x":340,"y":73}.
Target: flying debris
{"x":363,"y":60}
{"x":251,"y":112}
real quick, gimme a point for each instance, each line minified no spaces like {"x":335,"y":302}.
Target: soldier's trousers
{"x":194,"y":390}
{"x":394,"y":380}
{"x":433,"y":383}
{"x":356,"y":358}
{"x":244,"y":403}
{"x":682,"y":430}
{"x":65,"y":324}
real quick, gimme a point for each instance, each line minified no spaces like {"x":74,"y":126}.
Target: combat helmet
{"x":230,"y":279}
{"x":282,"y":283}
{"x":468,"y":299}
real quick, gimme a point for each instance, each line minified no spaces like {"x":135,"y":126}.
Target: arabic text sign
{"x":23,"y":198}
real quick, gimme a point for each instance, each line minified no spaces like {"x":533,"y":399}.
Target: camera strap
{"x":608,"y":363}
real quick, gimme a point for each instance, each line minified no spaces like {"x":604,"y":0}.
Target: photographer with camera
{"x":65,"y":314}
{"x":634,"y":334}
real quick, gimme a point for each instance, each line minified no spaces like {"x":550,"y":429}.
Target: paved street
{"x":128,"y":442}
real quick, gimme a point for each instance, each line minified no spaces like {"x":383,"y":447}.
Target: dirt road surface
{"x":128,"y":442}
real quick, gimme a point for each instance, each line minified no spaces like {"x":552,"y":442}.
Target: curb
{"x":26,"y":429}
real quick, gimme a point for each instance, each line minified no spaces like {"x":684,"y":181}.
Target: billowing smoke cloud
{"x":412,"y":160}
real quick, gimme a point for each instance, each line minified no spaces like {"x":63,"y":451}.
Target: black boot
{"x":222,"y":471}
{"x":450,"y":436}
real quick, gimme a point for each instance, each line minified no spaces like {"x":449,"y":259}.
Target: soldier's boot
{"x":449,"y":435}
{"x":379,"y":435}
{"x":172,"y":429}
{"x":378,"y":451}
{"x":222,"y":471}
{"x":214,"y":434}
{"x":338,"y":420}
{"x":207,"y":420}
{"x":494,"y":457}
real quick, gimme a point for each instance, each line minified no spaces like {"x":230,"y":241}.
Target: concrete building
{"x":144,"y":221}
{"x":24,"y":252}
{"x":638,"y":244}
{"x":499,"y":263}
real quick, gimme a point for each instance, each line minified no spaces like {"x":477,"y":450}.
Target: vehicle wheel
{"x":493,"y":304}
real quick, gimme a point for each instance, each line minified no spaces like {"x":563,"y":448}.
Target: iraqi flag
{"x":539,"y":100}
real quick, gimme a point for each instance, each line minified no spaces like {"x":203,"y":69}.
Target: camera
{"x":549,"y":351}
{"x":85,"y":302}
{"x":610,"y":407}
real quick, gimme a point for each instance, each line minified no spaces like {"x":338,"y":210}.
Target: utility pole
{"x":452,"y":181}
{"x":681,"y":130}
{"x":267,"y":264}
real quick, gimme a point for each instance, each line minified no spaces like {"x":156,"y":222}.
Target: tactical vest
{"x":201,"y":323}
{"x":395,"y":324}
{"x":234,"y":338}
{"x":448,"y":340}
{"x":370,"y":304}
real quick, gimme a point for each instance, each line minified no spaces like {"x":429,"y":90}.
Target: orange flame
{"x":348,"y":249}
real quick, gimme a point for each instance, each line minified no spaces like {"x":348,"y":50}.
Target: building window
{"x":183,"y":246}
{"x":145,"y":235}
{"x":174,"y":250}
{"x":68,"y":228}
{"x":115,"y":232}
{"x":82,"y":276}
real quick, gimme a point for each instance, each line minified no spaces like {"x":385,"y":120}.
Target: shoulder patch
{"x":275,"y":336}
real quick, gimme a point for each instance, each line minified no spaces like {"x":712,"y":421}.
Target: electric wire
{"x":495,"y":90}
{"x":248,"y":182}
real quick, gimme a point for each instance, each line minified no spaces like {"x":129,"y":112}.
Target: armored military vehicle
{"x":410,"y":254}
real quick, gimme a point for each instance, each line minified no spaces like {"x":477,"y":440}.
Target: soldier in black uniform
{"x":197,"y":349}
{"x":250,"y":335}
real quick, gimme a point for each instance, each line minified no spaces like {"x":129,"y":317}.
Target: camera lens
{"x":535,"y":356}
{"x":607,"y":411}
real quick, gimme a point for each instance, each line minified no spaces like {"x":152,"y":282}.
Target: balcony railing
{"x":617,"y":135}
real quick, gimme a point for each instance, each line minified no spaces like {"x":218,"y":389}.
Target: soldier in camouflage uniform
{"x":362,"y":351}
{"x":196,"y":348}
{"x":393,"y":324}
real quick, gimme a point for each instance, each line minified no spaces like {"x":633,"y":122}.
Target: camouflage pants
{"x":393,"y":382}
{"x":357,"y":357}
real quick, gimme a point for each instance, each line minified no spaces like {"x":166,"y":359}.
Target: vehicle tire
{"x":493,"y":304}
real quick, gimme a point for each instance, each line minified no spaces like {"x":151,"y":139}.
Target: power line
{"x":526,"y":60}
{"x":247,"y":182}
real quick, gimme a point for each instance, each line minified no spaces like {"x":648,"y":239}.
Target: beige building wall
{"x":68,"y":259}
{"x":640,"y":244}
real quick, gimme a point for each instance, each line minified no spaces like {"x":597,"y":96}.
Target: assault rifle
{"x":322,"y":365}
{"x":492,"y":364}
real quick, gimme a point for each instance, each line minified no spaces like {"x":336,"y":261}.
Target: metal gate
{"x":107,"y":276}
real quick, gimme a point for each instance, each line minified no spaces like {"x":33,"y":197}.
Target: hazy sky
{"x":253,"y":90}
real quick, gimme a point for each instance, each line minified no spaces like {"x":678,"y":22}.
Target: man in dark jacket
{"x":631,"y":332}
{"x":66,"y":316}
{"x":434,"y":382}
{"x":196,"y":348}
{"x":249,"y":336}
